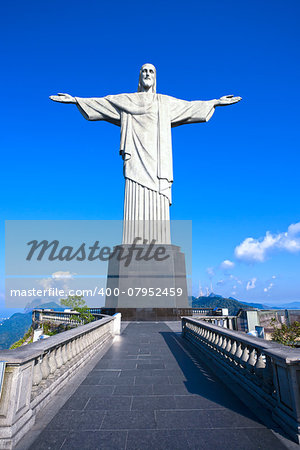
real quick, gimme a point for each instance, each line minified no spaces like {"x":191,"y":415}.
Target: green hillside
{"x":14,"y":329}
{"x":220,"y":302}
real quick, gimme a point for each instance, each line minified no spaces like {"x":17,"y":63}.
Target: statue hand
{"x":228,"y":100}
{"x":63,"y":98}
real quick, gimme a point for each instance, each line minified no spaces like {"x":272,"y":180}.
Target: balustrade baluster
{"x":58,"y":357}
{"x":217,"y":340}
{"x":74,"y":349}
{"x":37,"y":372}
{"x":80,"y":343}
{"x":52,"y":362}
{"x":220,"y":342}
{"x":252,"y":360}
{"x":64,"y":353}
{"x":260,"y":365}
{"x":224,"y":345}
{"x":69,"y":351}
{"x":238,"y":355}
{"x":268,"y":382}
{"x":245,"y":356}
{"x":45,"y":368}
{"x":233,"y":351}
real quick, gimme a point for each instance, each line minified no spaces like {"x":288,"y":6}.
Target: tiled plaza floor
{"x":147,"y":392}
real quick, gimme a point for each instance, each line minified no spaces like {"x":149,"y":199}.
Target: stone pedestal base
{"x":150,"y":283}
{"x":149,"y":314}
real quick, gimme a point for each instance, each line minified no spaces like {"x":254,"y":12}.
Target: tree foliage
{"x":27,"y":338}
{"x":78,"y":304}
{"x":287,"y":334}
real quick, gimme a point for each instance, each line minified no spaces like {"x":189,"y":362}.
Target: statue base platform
{"x":151,"y":281}
{"x":149,"y":314}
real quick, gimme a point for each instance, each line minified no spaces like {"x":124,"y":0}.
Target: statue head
{"x":147,"y":79}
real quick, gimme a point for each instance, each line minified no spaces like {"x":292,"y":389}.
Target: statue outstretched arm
{"x":227,"y":100}
{"x":63,"y":98}
{"x":183,"y":112}
{"x":92,"y":108}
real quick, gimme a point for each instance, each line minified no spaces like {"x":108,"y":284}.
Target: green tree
{"x":287,"y":335}
{"x":78,"y":304}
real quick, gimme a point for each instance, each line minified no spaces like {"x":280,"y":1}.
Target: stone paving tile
{"x":135,"y":372}
{"x":119,"y":403}
{"x":77,"y":420}
{"x":229,"y":439}
{"x":232,"y":419}
{"x":153,"y":402}
{"x":150,"y":366}
{"x":143,"y":389}
{"x":150,"y":391}
{"x":196,"y":402}
{"x":50,"y":441}
{"x":76,"y":402}
{"x":151,"y":379}
{"x":127,"y":381}
{"x":97,"y":440}
{"x":106,"y":372}
{"x":87,"y":391}
{"x":119,"y":420}
{"x":183,"y":419}
{"x":169,"y":372}
{"x":156,"y":440}
{"x":115,"y":364}
{"x":92,"y":379}
{"x":170,"y":389}
{"x":177,"y":379}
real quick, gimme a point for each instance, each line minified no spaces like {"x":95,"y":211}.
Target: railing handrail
{"x":29,"y":352}
{"x":273,"y":349}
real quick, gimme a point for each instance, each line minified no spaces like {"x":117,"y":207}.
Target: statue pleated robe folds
{"x":146,"y":148}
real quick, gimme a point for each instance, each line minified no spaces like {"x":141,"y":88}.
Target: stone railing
{"x":269,"y":371}
{"x":203,"y":311}
{"x":221,"y":321}
{"x":58,"y":317}
{"x":34,"y":373}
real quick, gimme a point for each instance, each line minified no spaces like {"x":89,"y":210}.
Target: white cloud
{"x":220,"y":282}
{"x":62,"y":275}
{"x":266,"y":289}
{"x":273,"y":276}
{"x":257,"y":250}
{"x":58,"y":279}
{"x":210,"y":271}
{"x":226,"y":264}
{"x":251,"y":284}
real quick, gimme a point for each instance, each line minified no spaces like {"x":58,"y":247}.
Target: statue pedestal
{"x":147,"y":283}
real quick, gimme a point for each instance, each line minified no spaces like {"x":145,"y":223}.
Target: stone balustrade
{"x":36,"y":372}
{"x":203,"y":311}
{"x":229,"y":322}
{"x":269,"y":371}
{"x":43,"y":315}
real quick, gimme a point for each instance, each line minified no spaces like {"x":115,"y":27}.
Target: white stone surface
{"x":146,"y":119}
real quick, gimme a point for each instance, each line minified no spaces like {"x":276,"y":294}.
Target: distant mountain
{"x":217,"y":301}
{"x":292,"y":305}
{"x":36,"y":303}
{"x":16,"y":326}
{"x":14,"y":329}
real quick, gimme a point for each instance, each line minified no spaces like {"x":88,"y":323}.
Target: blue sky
{"x":236,"y":177}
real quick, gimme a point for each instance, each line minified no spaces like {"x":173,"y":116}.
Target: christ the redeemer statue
{"x":146,"y":119}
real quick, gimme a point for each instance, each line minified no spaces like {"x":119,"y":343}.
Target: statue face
{"x":148,"y":75}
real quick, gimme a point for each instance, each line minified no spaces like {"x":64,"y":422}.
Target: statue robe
{"x":146,"y":148}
